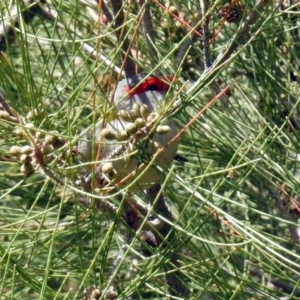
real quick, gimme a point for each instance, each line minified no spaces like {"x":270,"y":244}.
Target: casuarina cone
{"x":128,"y":142}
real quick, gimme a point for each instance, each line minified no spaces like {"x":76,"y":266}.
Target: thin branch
{"x":239,"y":40}
{"x":4,"y":105}
{"x":129,"y":66}
{"x":31,"y":9}
{"x":279,"y":204}
{"x":174,"y":277}
{"x":148,"y":30}
{"x":277,"y":282}
{"x":106,"y":11}
{"x":188,"y":42}
{"x":181,"y":21}
{"x":51,"y":15}
{"x":206,"y":44}
{"x":244,"y":30}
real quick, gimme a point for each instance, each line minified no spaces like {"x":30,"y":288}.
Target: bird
{"x":128,"y":141}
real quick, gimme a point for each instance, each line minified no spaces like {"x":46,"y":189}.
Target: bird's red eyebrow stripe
{"x":160,"y":83}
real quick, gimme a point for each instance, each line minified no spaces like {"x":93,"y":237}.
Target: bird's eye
{"x":152,"y":87}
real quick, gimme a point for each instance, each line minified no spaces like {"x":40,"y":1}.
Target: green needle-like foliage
{"x":235,"y":225}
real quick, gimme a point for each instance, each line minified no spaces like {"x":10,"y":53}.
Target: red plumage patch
{"x":159,"y":84}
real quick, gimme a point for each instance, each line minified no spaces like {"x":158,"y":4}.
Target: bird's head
{"x":136,"y":89}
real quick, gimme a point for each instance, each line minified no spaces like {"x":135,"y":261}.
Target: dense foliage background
{"x":235,"y":232}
